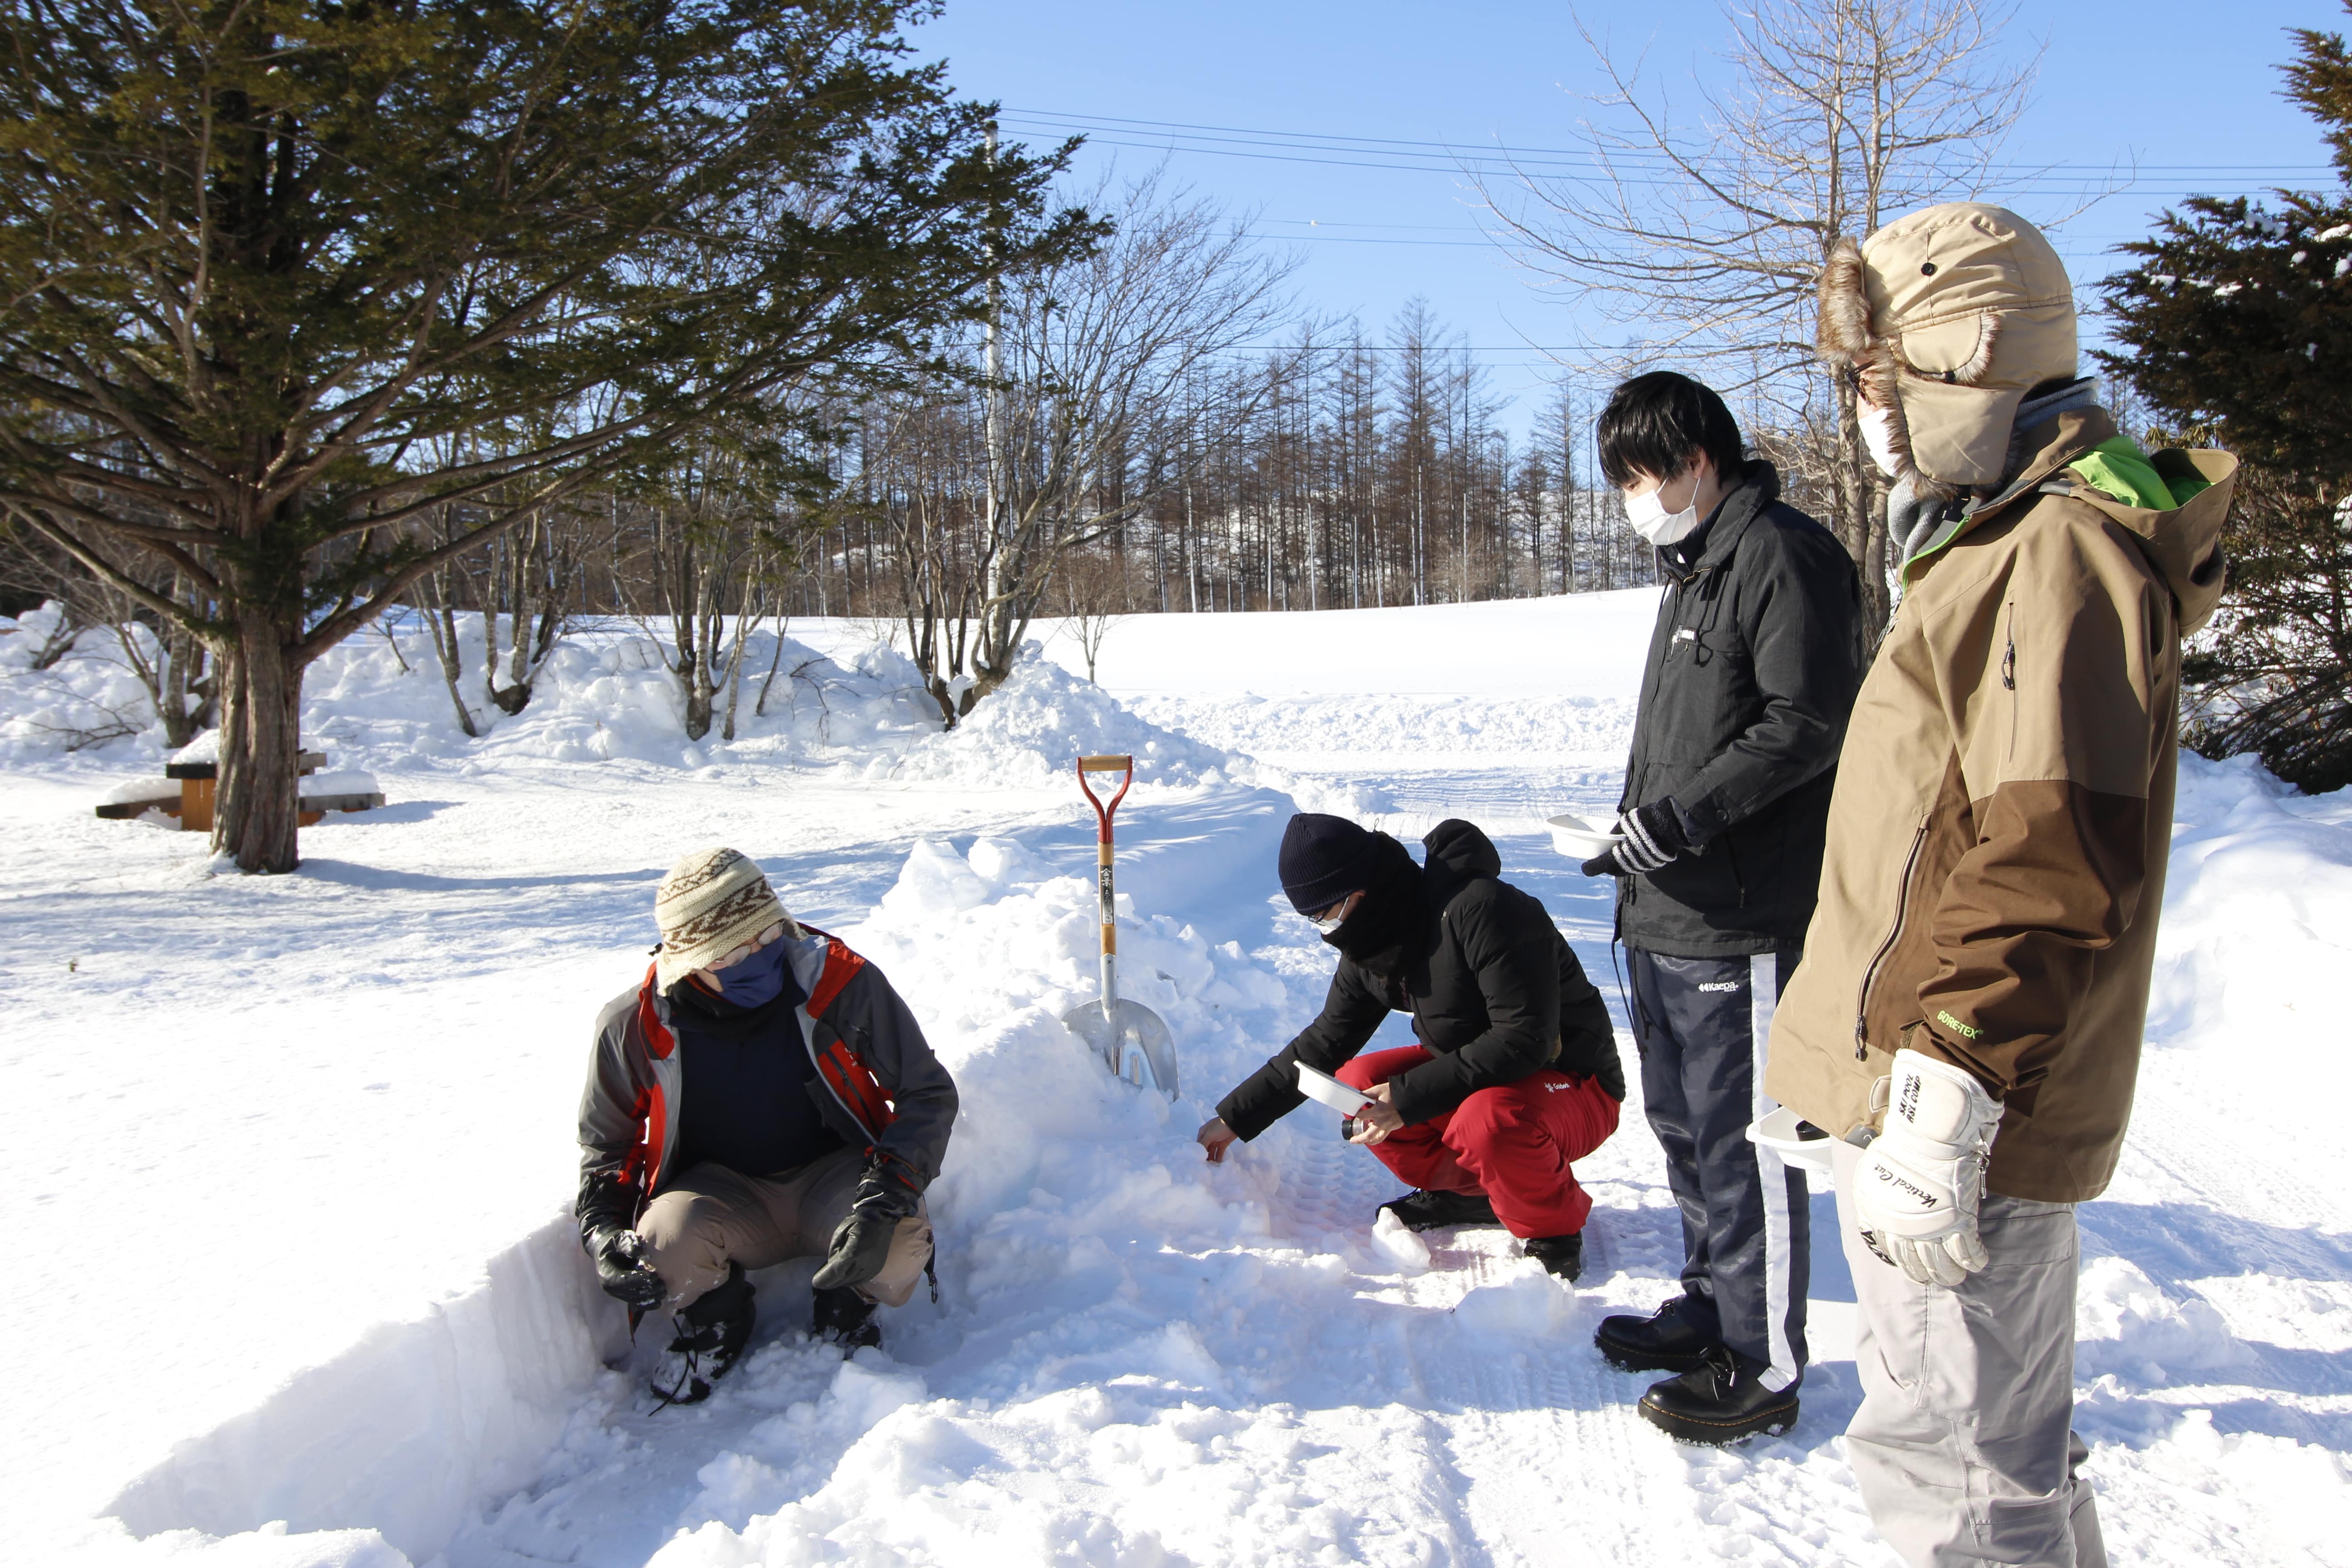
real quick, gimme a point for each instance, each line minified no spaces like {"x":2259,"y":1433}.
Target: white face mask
{"x":1653,"y":522}
{"x":1878,"y":437}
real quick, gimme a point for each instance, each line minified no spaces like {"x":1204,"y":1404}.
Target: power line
{"x":1326,"y":151}
{"x":1453,"y":149}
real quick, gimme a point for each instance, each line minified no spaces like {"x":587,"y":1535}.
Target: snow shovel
{"x":1130,"y":1038}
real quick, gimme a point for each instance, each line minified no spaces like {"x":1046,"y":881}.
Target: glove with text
{"x":1915,"y":1191}
{"x":1653,"y":836}
{"x":887,"y":1194}
{"x":623,"y":1267}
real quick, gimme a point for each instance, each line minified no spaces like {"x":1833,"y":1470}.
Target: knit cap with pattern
{"x":712,"y":903}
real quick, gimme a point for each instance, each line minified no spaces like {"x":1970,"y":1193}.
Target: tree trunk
{"x":255,"y":813}
{"x":441,"y":621}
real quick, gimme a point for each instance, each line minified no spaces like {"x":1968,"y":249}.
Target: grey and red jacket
{"x":878,"y":1084}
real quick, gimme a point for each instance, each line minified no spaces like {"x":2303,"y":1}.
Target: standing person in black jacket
{"x":1755,"y":662}
{"x":1517,"y":1074}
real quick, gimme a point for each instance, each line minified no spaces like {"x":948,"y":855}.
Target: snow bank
{"x":2257,"y":928}
{"x":407,"y":1427}
{"x":377,"y":702}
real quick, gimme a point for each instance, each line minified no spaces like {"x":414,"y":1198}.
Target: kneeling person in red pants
{"x":1517,"y":1074}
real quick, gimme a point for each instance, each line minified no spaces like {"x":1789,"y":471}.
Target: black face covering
{"x":1383,"y":929}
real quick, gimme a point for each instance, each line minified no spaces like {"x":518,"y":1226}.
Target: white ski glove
{"x":1915,"y":1191}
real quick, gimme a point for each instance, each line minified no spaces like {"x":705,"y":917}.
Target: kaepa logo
{"x":1720,"y":986}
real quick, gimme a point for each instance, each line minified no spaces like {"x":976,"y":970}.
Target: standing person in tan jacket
{"x":1967,"y":1020}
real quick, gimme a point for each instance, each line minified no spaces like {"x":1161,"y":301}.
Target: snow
{"x":298,"y":1286}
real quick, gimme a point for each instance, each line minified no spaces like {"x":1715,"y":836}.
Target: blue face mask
{"x":757,"y":980}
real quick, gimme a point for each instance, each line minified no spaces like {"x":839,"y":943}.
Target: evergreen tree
{"x":285,"y":277}
{"x":2238,"y":320}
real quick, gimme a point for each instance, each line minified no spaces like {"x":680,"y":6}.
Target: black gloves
{"x":623,"y":1267}
{"x":887,"y":1194}
{"x":1653,"y":836}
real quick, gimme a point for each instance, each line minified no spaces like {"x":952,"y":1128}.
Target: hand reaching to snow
{"x":1379,"y":1119}
{"x":1216,"y":1138}
{"x":623,"y":1267}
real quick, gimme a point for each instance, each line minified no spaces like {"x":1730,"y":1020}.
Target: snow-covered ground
{"x":295,"y":1282}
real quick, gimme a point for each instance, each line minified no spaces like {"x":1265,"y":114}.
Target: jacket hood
{"x":1460,"y":847}
{"x":2183,"y":542}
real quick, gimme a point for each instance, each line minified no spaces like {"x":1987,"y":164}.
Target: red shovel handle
{"x":1106,"y":765}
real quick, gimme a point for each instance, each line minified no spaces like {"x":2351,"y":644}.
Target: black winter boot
{"x":1720,"y":1401}
{"x":846,"y":1318}
{"x":1667,"y":1340}
{"x":711,"y":1333}
{"x":1439,"y":1211}
{"x":1562,"y":1255}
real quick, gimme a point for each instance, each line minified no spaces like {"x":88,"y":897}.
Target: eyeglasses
{"x":1330,"y":920}
{"x":740,"y":953}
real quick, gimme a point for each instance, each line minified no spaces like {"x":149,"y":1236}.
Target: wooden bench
{"x":189,"y":789}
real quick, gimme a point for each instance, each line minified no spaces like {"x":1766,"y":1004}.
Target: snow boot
{"x":1438,"y":1211}
{"x":1666,"y":1341}
{"x":845,"y":1318}
{"x":1720,"y":1401}
{"x":1562,"y":1255}
{"x":711,"y":1333}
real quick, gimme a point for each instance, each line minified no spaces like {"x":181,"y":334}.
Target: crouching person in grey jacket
{"x":762,"y":1095}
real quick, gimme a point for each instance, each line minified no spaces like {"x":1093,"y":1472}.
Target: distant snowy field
{"x":295,"y":1283}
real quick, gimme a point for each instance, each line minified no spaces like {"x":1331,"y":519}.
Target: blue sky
{"x":2187,"y":93}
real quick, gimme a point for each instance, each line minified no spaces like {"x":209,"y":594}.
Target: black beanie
{"x":1325,"y":858}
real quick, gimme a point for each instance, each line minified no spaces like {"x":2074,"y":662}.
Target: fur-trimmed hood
{"x":1947,"y":319}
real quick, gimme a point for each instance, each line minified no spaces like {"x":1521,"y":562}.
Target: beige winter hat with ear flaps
{"x":1949,"y":317}
{"x":711,"y":903}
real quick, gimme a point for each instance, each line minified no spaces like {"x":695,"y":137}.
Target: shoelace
{"x":688,"y":1378}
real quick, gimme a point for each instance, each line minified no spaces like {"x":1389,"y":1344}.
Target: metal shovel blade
{"x":1132,"y":1042}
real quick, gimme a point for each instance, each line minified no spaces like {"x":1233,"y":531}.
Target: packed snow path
{"x":296,"y":1153}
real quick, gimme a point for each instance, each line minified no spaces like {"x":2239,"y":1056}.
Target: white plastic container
{"x":1579,"y":839}
{"x":1777,"y":1132}
{"x":1323,"y":1089}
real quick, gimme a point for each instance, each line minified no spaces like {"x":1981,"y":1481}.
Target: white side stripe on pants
{"x":1763,"y":995}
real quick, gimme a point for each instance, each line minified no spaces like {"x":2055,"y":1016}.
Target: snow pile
{"x":2125,"y":1324}
{"x":2257,"y":914}
{"x":88,"y":699}
{"x":1033,"y":727}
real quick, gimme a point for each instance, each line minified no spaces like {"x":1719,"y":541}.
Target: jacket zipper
{"x":1869,"y":974}
{"x":2009,"y":676}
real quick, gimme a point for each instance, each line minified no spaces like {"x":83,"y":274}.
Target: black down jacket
{"x":1491,"y":984}
{"x":1758,"y":651}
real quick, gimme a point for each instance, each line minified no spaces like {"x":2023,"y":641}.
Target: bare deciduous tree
{"x":1705,"y":236}
{"x":1094,"y":362}
{"x":1094,"y":599}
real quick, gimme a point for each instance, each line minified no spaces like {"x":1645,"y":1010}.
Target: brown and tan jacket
{"x":1998,"y":835}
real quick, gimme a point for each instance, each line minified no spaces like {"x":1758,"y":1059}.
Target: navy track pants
{"x":1701,"y":1024}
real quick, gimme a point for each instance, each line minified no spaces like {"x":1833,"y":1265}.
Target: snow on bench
{"x":192,"y":775}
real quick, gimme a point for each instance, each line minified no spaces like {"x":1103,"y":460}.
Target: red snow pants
{"x":1514,"y":1142}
